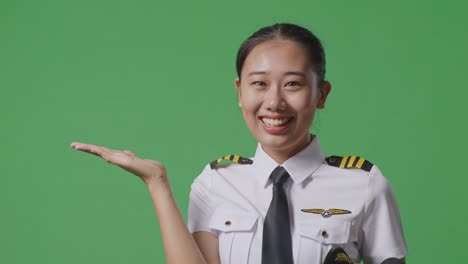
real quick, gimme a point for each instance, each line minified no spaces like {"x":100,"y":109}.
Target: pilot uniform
{"x":335,"y":201}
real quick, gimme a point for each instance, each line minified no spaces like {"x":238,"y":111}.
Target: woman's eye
{"x":258,"y":83}
{"x":293,"y":83}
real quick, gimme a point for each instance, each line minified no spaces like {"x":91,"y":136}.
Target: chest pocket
{"x":236,"y":230}
{"x":317,"y":237}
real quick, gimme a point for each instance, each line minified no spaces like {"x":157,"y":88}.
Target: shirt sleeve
{"x":201,"y":207}
{"x":382,"y":231}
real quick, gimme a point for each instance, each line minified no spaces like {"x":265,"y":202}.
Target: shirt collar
{"x":299,"y":166}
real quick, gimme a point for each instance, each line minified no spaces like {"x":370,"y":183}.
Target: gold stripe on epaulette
{"x":360,"y":162}
{"x":351,"y":161}
{"x":343,"y":161}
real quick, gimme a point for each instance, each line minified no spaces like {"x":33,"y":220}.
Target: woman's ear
{"x":324,"y":91}
{"x":238,"y":89}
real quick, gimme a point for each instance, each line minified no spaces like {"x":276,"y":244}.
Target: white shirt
{"x":232,"y":201}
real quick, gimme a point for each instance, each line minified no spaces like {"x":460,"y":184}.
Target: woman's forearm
{"x":179,"y":245}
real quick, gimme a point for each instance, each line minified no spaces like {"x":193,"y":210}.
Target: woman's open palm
{"x":146,"y":169}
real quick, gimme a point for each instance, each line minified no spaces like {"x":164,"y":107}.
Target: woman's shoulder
{"x":369,"y":172}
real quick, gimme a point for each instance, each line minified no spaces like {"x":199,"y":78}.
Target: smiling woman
{"x":278,"y":94}
{"x":289,"y":203}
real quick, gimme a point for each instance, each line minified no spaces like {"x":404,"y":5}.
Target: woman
{"x":288,"y":203}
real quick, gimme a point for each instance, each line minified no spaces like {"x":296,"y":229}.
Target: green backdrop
{"x":157,"y":78}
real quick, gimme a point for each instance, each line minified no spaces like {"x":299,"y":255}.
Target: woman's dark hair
{"x":286,"y":31}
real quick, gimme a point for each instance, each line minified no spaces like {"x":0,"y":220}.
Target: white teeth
{"x":274,"y":122}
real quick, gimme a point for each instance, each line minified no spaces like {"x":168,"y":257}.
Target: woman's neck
{"x":280,"y":155}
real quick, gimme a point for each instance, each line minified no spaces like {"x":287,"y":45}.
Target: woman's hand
{"x":179,"y":245}
{"x":149,"y":171}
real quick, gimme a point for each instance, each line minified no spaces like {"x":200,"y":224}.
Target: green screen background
{"x":157,"y":78}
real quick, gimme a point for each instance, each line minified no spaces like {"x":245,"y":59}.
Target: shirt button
{"x":324,"y":234}
{"x":228,"y":223}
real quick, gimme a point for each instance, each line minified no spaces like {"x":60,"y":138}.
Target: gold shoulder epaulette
{"x":348,"y":162}
{"x":234,"y":158}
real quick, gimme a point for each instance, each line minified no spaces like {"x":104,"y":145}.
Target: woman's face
{"x":278,"y":95}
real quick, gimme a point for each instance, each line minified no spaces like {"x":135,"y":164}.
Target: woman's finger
{"x":93,"y":149}
{"x":121,"y":158}
{"x":126,"y":159}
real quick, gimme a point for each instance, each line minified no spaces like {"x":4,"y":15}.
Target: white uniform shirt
{"x":232,"y":201}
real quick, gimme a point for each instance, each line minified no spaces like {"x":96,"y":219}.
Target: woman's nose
{"x":274,"y":99}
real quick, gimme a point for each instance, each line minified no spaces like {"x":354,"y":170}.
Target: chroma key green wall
{"x":156,"y":77}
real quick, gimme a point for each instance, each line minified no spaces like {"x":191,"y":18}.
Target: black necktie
{"x":276,"y":245}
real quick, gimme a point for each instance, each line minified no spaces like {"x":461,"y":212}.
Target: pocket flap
{"x":228,"y":220}
{"x":326,"y":232}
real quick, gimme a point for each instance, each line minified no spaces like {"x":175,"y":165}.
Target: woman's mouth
{"x":275,"y":125}
{"x":273,"y":122}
